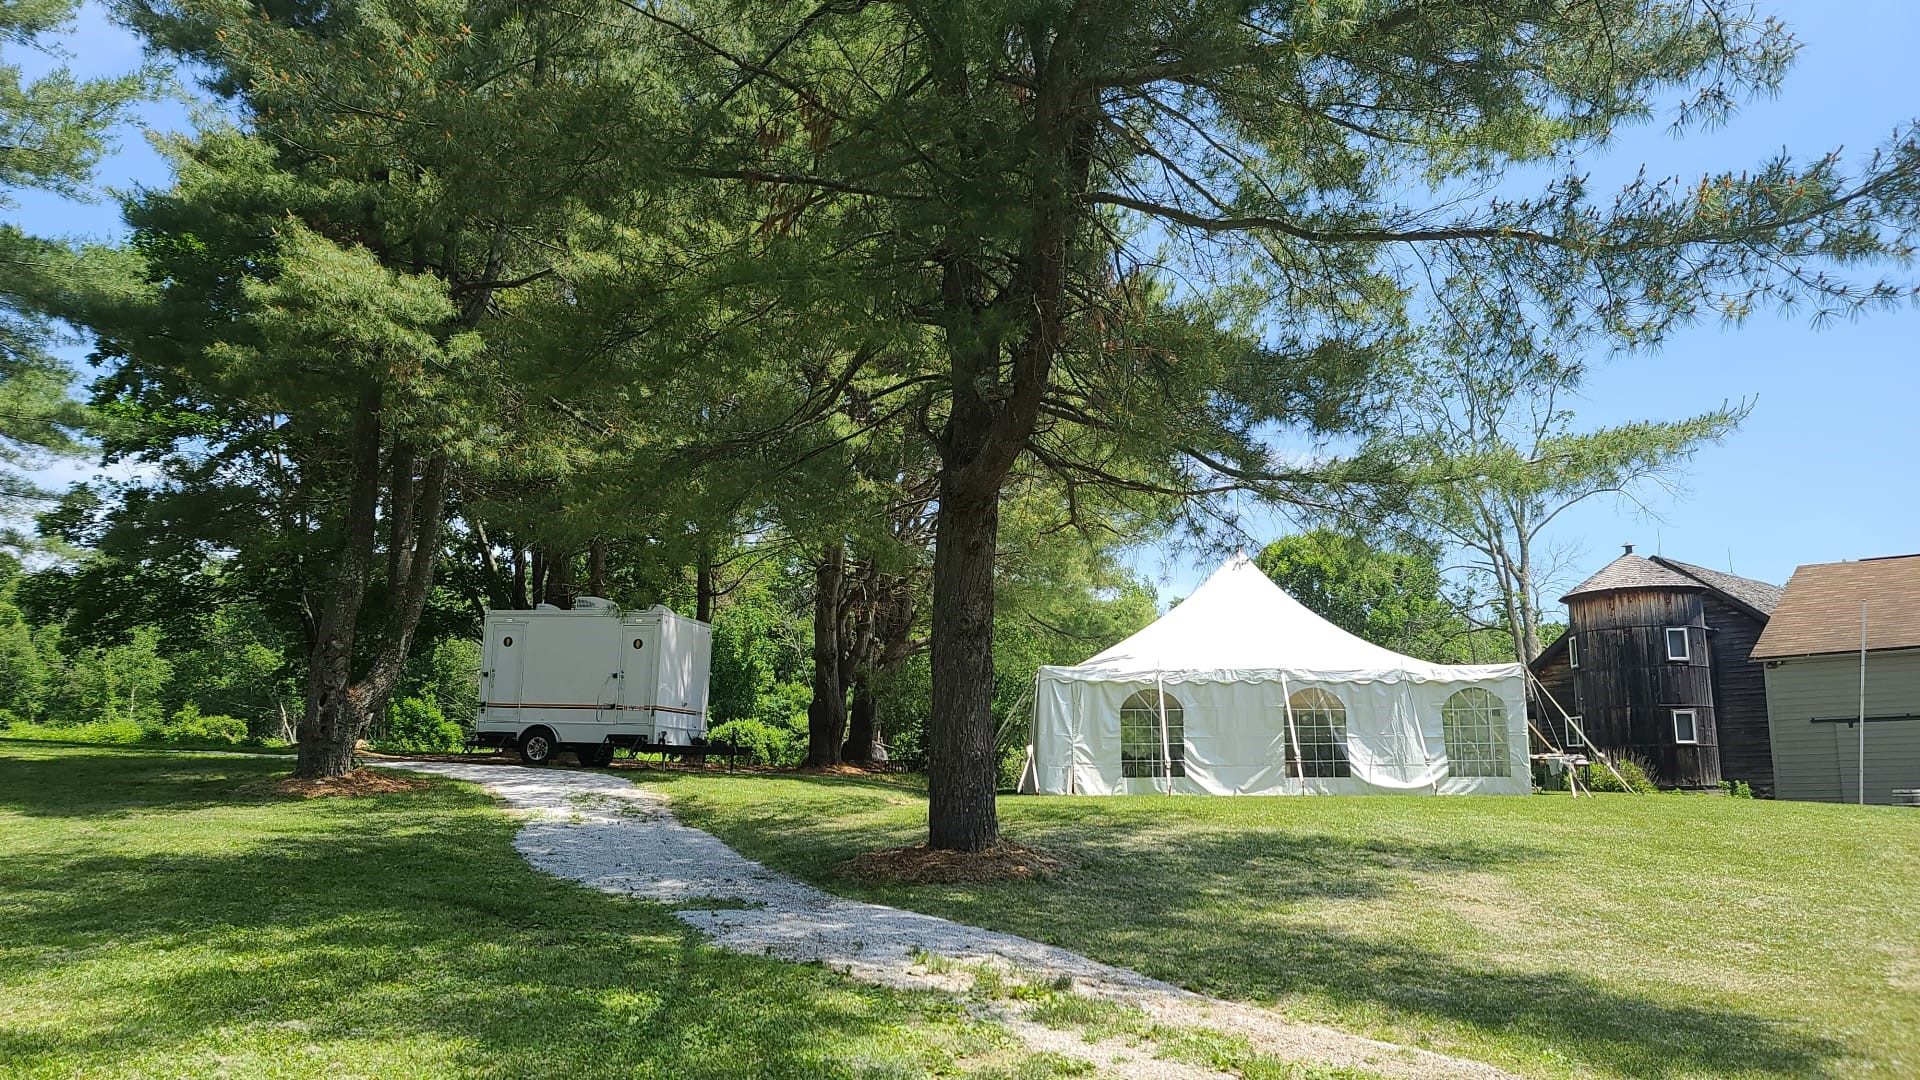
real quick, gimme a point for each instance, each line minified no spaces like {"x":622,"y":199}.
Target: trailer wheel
{"x":598,"y":755}
{"x":537,"y":746}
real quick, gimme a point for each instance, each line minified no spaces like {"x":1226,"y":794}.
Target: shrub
{"x":1736,"y":789}
{"x":189,"y":725}
{"x":417,"y":726}
{"x":1634,"y":769}
{"x":120,"y":732}
{"x":771,"y":744}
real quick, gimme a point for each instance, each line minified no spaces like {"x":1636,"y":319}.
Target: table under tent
{"x":1240,"y":690}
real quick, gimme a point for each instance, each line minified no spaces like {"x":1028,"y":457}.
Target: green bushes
{"x":417,"y":726}
{"x":106,"y":681}
{"x":186,"y":727}
{"x":1635,"y":770}
{"x":770,"y":744}
{"x":189,"y":725}
{"x":99,"y":732}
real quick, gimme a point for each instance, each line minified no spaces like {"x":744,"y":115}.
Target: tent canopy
{"x":1239,"y":625}
{"x":1240,"y":690}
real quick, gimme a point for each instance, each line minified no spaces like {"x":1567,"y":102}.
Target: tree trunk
{"x":331,"y":724}
{"x":863,"y":725}
{"x":597,"y":568}
{"x":703,"y":583}
{"x":997,"y":385}
{"x":962,"y":773}
{"x":406,"y":604}
{"x":537,"y":592}
{"x":520,"y":597}
{"x":560,"y":589}
{"x":1529,"y":641}
{"x":827,"y":712}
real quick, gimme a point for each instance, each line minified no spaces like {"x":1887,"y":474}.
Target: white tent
{"x":1240,"y":690}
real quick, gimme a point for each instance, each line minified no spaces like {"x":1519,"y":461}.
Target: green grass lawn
{"x":1618,"y":936}
{"x":161,"y":919}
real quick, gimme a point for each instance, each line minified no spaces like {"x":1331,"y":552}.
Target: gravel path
{"x":616,"y":836}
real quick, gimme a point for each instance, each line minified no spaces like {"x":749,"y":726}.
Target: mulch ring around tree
{"x":921,"y":865}
{"x":842,"y":769}
{"x":347,"y":785}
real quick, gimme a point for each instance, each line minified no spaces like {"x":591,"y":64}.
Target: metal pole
{"x":1166,"y":749}
{"x":1293,"y":736}
{"x":1861,"y":778}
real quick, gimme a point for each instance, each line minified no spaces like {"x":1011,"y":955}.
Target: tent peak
{"x":1238,"y":619}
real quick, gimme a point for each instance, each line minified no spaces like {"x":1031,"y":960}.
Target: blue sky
{"x":1823,"y":470}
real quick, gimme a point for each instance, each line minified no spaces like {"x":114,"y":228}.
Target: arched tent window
{"x":1140,"y":736}
{"x":1320,"y":729}
{"x":1474,"y":723}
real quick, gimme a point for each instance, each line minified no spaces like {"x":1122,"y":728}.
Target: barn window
{"x":1141,"y":736}
{"x":1474,"y":723}
{"x":1677,"y":643}
{"x":1686,"y":726}
{"x":1573,"y":650}
{"x":1320,"y":732}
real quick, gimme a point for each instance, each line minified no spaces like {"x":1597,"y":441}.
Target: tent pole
{"x":1073,"y":737}
{"x":1293,"y":736}
{"x":1166,"y":749}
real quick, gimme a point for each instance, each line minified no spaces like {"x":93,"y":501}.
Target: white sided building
{"x":593,"y":679}
{"x":1240,"y":690}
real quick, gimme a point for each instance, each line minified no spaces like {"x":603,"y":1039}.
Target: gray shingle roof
{"x":1631,"y":571}
{"x":1757,"y":595}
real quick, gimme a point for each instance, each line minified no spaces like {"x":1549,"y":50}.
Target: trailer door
{"x":500,"y":678}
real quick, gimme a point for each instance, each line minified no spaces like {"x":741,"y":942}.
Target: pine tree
{"x":1007,"y":178}
{"x":53,"y":131}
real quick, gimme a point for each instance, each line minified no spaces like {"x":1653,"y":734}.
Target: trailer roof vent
{"x":594,"y":603}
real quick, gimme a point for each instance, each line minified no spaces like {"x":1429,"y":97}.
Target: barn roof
{"x":1632,"y":571}
{"x":1758,"y":595}
{"x":1820,"y":612}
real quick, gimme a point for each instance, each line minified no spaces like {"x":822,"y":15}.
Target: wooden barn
{"x":1657,"y":662}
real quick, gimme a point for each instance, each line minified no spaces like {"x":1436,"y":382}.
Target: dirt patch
{"x":348,"y":785}
{"x":921,"y":865}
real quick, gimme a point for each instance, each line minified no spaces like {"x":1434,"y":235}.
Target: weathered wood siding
{"x":1820,"y":761}
{"x":1739,"y":694}
{"x":1627,"y":689}
{"x":1557,"y":678}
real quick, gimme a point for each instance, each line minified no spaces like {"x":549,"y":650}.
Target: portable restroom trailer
{"x":592,"y":680}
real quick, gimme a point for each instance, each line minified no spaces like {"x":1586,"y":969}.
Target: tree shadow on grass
{"x":907,"y":784}
{"x":386,"y":936}
{"x":1261,"y":914}
{"x":95,"y":782}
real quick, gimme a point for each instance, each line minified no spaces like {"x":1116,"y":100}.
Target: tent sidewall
{"x":1234,"y":733}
